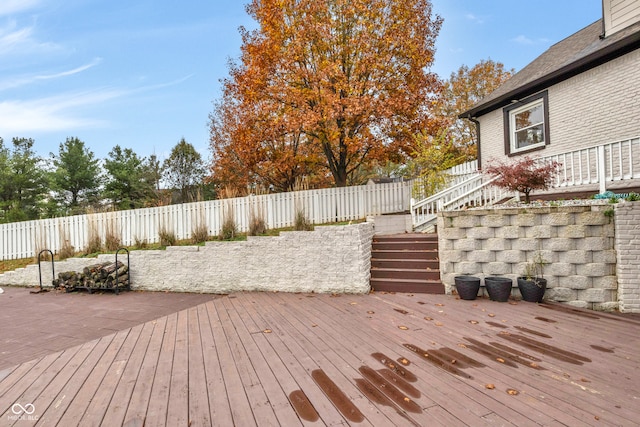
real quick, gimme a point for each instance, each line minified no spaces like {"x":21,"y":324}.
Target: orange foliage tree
{"x":323,"y":88}
{"x":462,"y":91}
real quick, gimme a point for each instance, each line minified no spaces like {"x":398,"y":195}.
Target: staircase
{"x":406,"y":263}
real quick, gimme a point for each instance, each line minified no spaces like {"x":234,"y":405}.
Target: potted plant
{"x":467,"y":286}
{"x":533,"y":284}
{"x":498,"y":288}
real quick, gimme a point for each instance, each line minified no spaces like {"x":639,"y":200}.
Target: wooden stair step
{"x":429,"y":254}
{"x":405,"y":273}
{"x":407,"y":246}
{"x":407,"y":285}
{"x":405,"y":237}
{"x":425,"y":264}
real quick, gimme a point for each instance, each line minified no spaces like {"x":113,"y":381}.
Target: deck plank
{"x":77,"y":406}
{"x":178,"y":408}
{"x":237,"y":359}
{"x":199,"y":413}
{"x":141,"y":395}
{"x":276,"y":394}
{"x":121,"y":398}
{"x":159,"y":398}
{"x":219,"y":406}
{"x":241,"y":411}
{"x":95,"y":412}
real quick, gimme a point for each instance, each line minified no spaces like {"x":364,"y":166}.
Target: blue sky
{"x":142,"y":74}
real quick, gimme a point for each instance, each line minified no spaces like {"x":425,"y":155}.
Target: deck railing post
{"x":602,"y":175}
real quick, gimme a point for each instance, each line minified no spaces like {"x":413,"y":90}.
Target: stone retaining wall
{"x":328,"y":259}
{"x":577,"y":241}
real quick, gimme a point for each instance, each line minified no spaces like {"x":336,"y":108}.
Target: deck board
{"x":239,"y":359}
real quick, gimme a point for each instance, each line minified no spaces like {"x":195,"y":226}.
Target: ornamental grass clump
{"x":524,"y":175}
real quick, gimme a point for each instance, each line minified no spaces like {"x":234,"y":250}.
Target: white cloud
{"x":524,"y":40}
{"x":57,"y":113}
{"x":474,"y":18}
{"x":64,"y":112}
{"x":20,"y":40}
{"x":9,"y":7}
{"x":11,"y":83}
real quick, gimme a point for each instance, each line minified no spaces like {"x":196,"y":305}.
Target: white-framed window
{"x":526,"y":124}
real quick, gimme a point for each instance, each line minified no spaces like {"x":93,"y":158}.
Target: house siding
{"x":619,"y":14}
{"x":598,"y":106}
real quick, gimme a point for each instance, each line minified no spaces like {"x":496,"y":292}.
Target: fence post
{"x":602,"y":175}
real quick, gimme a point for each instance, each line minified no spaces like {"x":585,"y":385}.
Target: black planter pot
{"x":467,"y":286}
{"x":499,"y":288}
{"x":531,"y":291}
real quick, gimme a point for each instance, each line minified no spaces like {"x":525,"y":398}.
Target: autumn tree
{"x":465,"y":88}
{"x":184,"y":170}
{"x":327,"y":84}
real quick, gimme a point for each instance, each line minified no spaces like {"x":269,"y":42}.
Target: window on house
{"x":526,"y":124}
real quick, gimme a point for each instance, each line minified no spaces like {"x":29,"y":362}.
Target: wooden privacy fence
{"x":26,"y":239}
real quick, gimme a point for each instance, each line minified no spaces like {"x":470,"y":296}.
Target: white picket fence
{"x":26,"y":239}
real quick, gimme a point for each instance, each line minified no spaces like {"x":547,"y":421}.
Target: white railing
{"x":26,"y":239}
{"x":602,"y":164}
{"x":453,"y":176}
{"x":425,"y":211}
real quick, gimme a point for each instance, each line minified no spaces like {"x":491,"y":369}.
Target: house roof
{"x":576,"y":54}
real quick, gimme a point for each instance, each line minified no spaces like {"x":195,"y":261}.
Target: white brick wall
{"x":627,"y":219}
{"x":329,"y":259}
{"x":598,"y":106}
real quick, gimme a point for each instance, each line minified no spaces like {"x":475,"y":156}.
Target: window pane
{"x":531,"y":136}
{"x":529,"y":117}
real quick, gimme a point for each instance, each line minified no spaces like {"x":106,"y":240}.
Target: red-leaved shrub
{"x":523,"y":175}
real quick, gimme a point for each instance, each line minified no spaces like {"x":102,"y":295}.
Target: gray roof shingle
{"x":573,"y":55}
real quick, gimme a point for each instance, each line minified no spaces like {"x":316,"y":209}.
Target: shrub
{"x":94,"y":242}
{"x":229,"y":227}
{"x":524,"y":175}
{"x":66,"y":250}
{"x":111,"y":238}
{"x":167,"y":237}
{"x":140,"y":243}
{"x":200,"y":233}
{"x":257,"y":223}
{"x":302,"y":222}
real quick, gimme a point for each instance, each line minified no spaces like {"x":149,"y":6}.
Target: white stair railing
{"x":601,"y":164}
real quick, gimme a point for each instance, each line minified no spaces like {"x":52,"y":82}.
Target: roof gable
{"x":577,"y":53}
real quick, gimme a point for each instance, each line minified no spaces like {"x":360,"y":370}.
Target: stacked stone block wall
{"x":328,"y":259}
{"x":578,"y":242}
{"x":627,"y":220}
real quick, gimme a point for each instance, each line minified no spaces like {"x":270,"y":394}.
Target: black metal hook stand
{"x":53,"y":268}
{"x":128,"y":269}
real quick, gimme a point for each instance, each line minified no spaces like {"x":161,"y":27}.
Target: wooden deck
{"x":308,"y":359}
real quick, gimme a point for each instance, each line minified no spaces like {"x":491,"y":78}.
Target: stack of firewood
{"x":107,"y":275}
